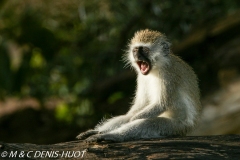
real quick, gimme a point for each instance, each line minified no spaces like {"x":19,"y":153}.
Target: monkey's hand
{"x":86,"y":134}
{"x":104,"y":137}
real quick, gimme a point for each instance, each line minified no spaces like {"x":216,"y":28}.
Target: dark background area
{"x":61,"y":68}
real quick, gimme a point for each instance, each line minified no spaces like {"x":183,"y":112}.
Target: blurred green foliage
{"x":62,"y":48}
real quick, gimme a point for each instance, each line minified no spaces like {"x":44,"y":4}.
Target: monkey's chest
{"x":154,"y":91}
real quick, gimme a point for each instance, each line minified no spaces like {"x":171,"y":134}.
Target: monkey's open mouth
{"x":144,"y":67}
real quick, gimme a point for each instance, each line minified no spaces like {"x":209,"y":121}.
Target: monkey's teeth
{"x":143,"y":66}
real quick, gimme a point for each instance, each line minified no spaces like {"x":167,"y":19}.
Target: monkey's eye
{"x":135,"y":49}
{"x":146,"y":49}
{"x":141,"y":49}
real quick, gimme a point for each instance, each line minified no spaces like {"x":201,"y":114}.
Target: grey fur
{"x":167,"y":100}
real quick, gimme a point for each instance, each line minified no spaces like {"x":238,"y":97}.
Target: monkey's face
{"x":148,"y":51}
{"x":145,"y":57}
{"x":141,"y":58}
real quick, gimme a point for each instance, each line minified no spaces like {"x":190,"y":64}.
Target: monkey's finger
{"x":86,"y":134}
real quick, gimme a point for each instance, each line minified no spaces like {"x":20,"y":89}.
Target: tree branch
{"x":205,"y":147}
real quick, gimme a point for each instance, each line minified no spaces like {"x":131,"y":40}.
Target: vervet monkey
{"x":167,"y":100}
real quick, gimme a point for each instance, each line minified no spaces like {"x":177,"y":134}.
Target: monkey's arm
{"x":152,"y":110}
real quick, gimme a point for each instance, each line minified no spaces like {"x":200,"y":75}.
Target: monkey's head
{"x":148,"y":50}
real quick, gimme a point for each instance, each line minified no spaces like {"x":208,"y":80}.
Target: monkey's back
{"x":187,"y":82}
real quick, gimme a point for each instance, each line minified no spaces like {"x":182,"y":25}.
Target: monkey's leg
{"x":158,"y":127}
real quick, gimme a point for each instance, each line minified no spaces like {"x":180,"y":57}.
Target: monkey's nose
{"x":139,"y":52}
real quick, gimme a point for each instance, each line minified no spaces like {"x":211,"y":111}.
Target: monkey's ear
{"x":166,"y":47}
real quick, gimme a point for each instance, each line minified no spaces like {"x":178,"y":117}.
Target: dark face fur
{"x":141,"y":56}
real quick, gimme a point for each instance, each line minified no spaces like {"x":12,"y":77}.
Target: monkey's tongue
{"x":144,"y":67}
